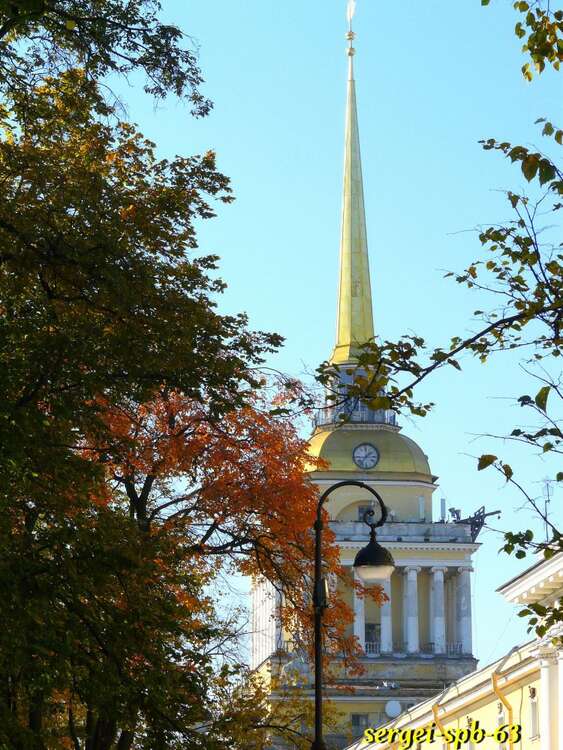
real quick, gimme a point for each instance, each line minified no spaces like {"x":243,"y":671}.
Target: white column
{"x":453,"y":609}
{"x":405,"y":613}
{"x":431,"y":615}
{"x":386,"y":621}
{"x":413,"y":644}
{"x":359,"y":617}
{"x":546,"y":665}
{"x":463,"y":600}
{"x":278,"y":638}
{"x":438,"y":612}
{"x":559,"y":702}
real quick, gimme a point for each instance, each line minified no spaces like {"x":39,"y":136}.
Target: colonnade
{"x":450,"y":603}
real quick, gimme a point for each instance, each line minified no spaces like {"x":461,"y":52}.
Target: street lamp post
{"x":373,"y":563}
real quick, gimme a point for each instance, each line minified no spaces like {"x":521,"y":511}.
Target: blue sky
{"x":432,"y":79}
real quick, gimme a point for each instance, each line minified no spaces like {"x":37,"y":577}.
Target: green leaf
{"x":559,"y":137}
{"x":548,"y":129}
{"x":559,"y":477}
{"x":530,"y":166}
{"x":486,"y":460}
{"x":507,"y":469}
{"x":541,"y":397}
{"x":485,"y":2}
{"x":513,"y":199}
{"x":547,"y":171}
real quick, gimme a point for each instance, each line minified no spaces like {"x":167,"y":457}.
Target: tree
{"x":101,"y":289}
{"x":541,"y":30}
{"x":115,"y":367}
{"x":111,"y":636}
{"x":41,"y":38}
{"x":104,"y":304}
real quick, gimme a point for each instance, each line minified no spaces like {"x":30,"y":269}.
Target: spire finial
{"x":350,"y":36}
{"x":350,"y":11}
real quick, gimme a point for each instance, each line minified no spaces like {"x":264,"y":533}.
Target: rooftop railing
{"x":354,"y":413}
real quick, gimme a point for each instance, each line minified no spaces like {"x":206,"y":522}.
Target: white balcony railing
{"x":373,"y":648}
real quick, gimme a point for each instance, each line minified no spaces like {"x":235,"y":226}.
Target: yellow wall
{"x":402,"y":499}
{"x":486,"y":712}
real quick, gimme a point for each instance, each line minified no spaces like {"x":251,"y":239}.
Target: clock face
{"x":365,"y":456}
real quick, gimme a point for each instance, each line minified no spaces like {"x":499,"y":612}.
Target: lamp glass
{"x":374,"y":573}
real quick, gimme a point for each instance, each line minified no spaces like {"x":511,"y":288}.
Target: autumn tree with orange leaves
{"x":128,"y":652}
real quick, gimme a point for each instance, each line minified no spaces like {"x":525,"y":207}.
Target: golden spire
{"x":354,"y":324}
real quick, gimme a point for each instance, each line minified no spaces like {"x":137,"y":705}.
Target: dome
{"x":398,"y":454}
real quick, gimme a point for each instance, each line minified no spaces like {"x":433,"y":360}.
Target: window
{"x":373,"y":638}
{"x":534,"y":716}
{"x":360,"y":722}
{"x":373,"y":631}
{"x":378,"y":718}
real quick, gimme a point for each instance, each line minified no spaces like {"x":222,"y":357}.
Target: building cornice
{"x":319,"y":479}
{"x":416,"y":547}
{"x":536,"y":584}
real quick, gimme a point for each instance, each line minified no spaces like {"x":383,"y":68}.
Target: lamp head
{"x":374,"y":563}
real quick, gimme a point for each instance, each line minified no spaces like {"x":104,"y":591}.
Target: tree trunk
{"x":126,"y":740}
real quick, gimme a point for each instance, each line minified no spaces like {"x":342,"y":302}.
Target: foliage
{"x":121,"y":381}
{"x":41,"y":38}
{"x":541,"y":30}
{"x":139,"y":466}
{"x":111,"y":638}
{"x":101,"y":290}
{"x":237,"y":488}
{"x":104,"y":634}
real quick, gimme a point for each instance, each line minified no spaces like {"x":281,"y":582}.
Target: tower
{"x":420,"y":639}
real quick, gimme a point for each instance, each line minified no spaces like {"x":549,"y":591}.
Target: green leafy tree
{"x":101,"y":288}
{"x":540,"y":27}
{"x":41,"y":38}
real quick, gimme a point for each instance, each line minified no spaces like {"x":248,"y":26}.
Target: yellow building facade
{"x":523,"y":690}
{"x":421,"y":639}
